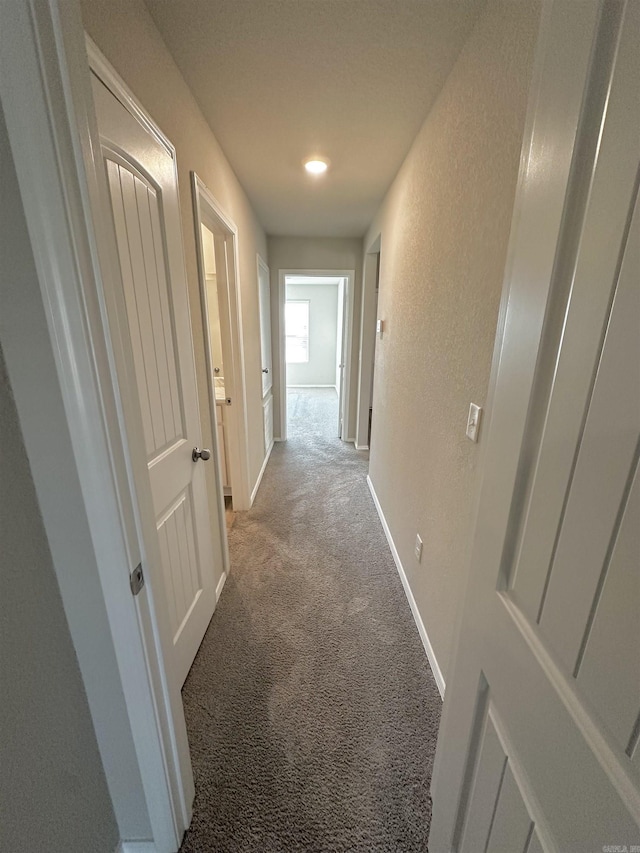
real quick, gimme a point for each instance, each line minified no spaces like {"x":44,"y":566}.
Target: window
{"x":296,"y":313}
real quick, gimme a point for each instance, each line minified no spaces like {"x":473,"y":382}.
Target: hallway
{"x":312,"y":414}
{"x":311,"y":709}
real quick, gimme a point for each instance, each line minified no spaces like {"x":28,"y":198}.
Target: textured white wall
{"x":124,"y":31}
{"x":315,"y":253}
{"x":323,"y":334}
{"x":445,"y":224}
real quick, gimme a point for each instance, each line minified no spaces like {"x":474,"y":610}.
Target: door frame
{"x":366,"y":354}
{"x":157,"y":623}
{"x":207,"y":211}
{"x":69,"y":329}
{"x":349,"y":276}
{"x":220,"y":505}
{"x":339,"y":354}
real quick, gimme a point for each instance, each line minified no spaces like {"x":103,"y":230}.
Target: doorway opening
{"x":216,"y":361}
{"x":316,"y":320}
{"x":216,"y":238}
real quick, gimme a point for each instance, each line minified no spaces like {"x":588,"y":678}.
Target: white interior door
{"x":538,"y":749}
{"x":264,"y":294}
{"x":141,"y":173}
{"x":340,"y":354}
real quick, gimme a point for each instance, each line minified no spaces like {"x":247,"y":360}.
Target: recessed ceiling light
{"x":315,"y":166}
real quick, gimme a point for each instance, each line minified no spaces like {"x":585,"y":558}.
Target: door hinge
{"x":136,"y":579}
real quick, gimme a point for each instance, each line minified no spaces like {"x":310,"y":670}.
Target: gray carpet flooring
{"x":311,"y":709}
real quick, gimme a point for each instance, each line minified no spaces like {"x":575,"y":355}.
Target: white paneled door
{"x":142,"y":179}
{"x":539,"y":747}
{"x":264,"y":293}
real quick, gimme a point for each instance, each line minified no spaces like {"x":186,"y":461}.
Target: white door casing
{"x":65,"y":345}
{"x":349,"y":286}
{"x":367,"y":342}
{"x":538,"y":748}
{"x":207,"y":212}
{"x":142,"y":179}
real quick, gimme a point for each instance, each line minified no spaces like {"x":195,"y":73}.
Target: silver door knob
{"x":265,"y":369}
{"x":200,"y":454}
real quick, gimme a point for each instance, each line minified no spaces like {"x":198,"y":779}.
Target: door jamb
{"x":349,"y":276}
{"x":204,"y":305}
{"x":207,"y":211}
{"x":370,"y":280}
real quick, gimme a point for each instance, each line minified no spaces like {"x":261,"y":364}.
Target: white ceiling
{"x":281,"y":80}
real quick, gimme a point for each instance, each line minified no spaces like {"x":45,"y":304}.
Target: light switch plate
{"x":418,"y":548}
{"x":473,"y":422}
{"x":379,"y":327}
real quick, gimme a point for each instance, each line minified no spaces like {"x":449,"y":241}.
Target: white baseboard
{"x":437,"y":672}
{"x":279,"y":439}
{"x":259,"y":480}
{"x":313,"y":386}
{"x":361,"y":446}
{"x":220,"y":586}
{"x":136,"y":847}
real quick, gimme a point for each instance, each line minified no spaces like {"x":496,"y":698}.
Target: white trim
{"x":367,"y":348}
{"x":347,"y":344}
{"x":156,"y":631}
{"x":261,"y":263}
{"x":314,"y":386}
{"x":63,"y":359}
{"x":116,"y":85}
{"x":435,"y":669}
{"x":204,"y":307}
{"x":136,"y":847}
{"x":361,"y":446}
{"x":220,"y":586}
{"x":350,"y":277}
{"x":207,"y":211}
{"x":262,"y":470}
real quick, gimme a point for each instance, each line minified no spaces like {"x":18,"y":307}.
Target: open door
{"x":143,"y":186}
{"x":264,"y":300}
{"x":538,"y":749}
{"x":264,"y":295}
{"x":340,"y":355}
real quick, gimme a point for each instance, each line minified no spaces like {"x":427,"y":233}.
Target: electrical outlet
{"x":473,"y":422}
{"x":418,"y":548}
